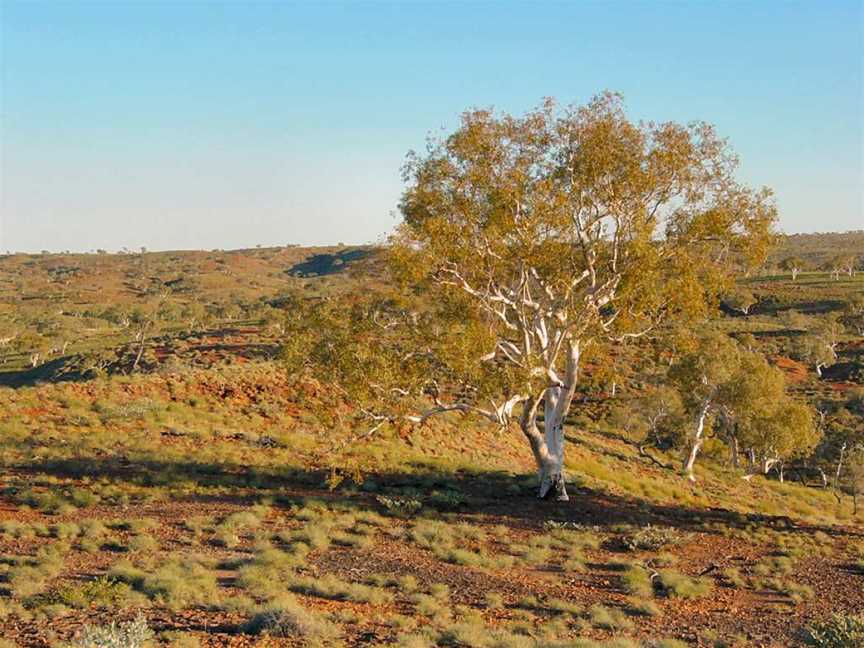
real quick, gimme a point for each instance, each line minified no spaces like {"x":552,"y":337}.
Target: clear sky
{"x":204,"y":125}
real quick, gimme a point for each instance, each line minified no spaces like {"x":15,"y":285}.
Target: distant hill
{"x":819,"y":248}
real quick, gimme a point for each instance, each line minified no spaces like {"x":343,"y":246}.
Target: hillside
{"x":818,"y":249}
{"x":204,"y":489}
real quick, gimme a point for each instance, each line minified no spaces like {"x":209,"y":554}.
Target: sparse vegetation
{"x":214,"y":485}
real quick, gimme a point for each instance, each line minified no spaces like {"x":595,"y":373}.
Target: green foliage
{"x":675,"y":584}
{"x":650,"y":538}
{"x":285,"y":617}
{"x":103,"y":592}
{"x":839,"y":631}
{"x":637,"y":581}
{"x":130,"y":634}
{"x":178,"y":583}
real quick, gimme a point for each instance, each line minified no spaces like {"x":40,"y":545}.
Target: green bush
{"x":132,"y":634}
{"x":650,"y":538}
{"x":287,"y":618}
{"x":840,"y":631}
{"x":675,"y":584}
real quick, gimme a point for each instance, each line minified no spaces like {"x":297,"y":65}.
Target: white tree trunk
{"x":551,"y":470}
{"x":548,"y":446}
{"x":839,"y":470}
{"x":733,"y":450}
{"x":696,"y":443}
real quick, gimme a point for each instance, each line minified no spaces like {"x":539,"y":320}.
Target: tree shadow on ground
{"x":319,"y":265}
{"x":46,"y":372}
{"x":500,"y":496}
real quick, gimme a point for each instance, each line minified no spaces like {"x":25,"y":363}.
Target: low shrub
{"x":130,"y":634}
{"x":839,"y":631}
{"x":608,"y":618}
{"x":637,"y":581}
{"x":285,"y":617}
{"x":400,"y":506}
{"x":650,"y":538}
{"x":678,"y":585}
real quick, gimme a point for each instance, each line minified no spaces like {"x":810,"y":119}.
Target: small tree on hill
{"x":746,"y":400}
{"x":843,"y":263}
{"x":783,"y":431}
{"x":740,"y":299}
{"x":701,"y":377}
{"x":819,"y":346}
{"x":651,"y":419}
{"x":793,"y":264}
{"x":854,"y":476}
{"x":853,"y":314}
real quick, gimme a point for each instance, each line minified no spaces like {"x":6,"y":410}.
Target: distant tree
{"x":854,"y":476}
{"x":145,"y":320}
{"x":796,"y":320}
{"x":843,"y":263}
{"x":740,"y":299}
{"x":700,"y":377}
{"x":781,"y":431}
{"x":747,"y":340}
{"x":853,"y":313}
{"x":651,"y":419}
{"x":32,"y":344}
{"x":793,"y":264}
{"x":843,"y":430}
{"x":273,"y":319}
{"x":749,"y":393}
{"x":535,"y":240}
{"x":738,"y":394}
{"x":819,"y":346}
{"x":194,"y":314}
{"x":117,"y":314}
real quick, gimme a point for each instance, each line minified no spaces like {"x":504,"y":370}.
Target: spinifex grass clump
{"x":676,"y":584}
{"x":128,"y":634}
{"x":179,"y":583}
{"x":285,"y":617}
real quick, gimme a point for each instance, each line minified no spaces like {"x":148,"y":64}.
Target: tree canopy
{"x":530,"y":242}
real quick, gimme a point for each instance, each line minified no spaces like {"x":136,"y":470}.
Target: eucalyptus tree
{"x":738,"y":394}
{"x":842,"y":263}
{"x":853,"y":314}
{"x":740,"y":299}
{"x":703,"y":377}
{"x":653,"y":418}
{"x":854,"y":476}
{"x":782,"y":431}
{"x":793,"y":264}
{"x":819,"y":346}
{"x":567,"y":229}
{"x":549,"y":237}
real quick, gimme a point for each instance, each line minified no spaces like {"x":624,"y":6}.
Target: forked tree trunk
{"x":551,"y":469}
{"x":548,"y":445}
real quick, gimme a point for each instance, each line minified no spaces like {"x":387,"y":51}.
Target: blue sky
{"x":203,"y":125}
